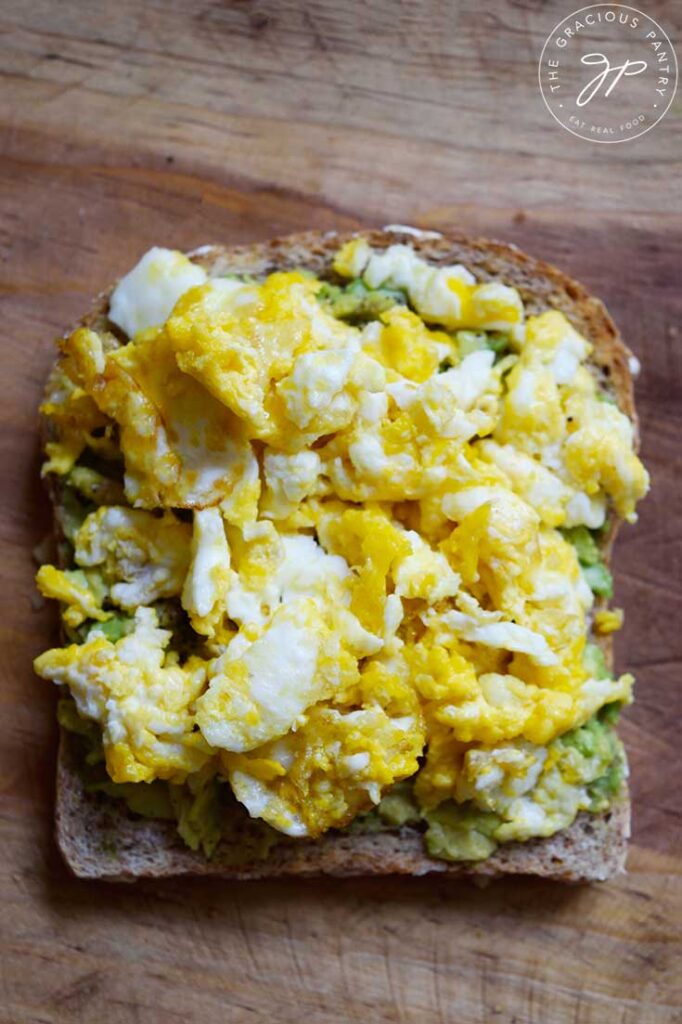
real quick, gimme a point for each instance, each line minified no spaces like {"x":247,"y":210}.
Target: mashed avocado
{"x":356,"y":303}
{"x":114,"y":628}
{"x":204,"y":809}
{"x":595,"y":750}
{"x":460,"y":832}
{"x":398,"y":806}
{"x":71,"y":511}
{"x":475,"y":341}
{"x":595,"y":662}
{"x":598,"y":577}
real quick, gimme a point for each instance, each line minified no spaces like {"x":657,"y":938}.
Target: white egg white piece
{"x":145,"y":297}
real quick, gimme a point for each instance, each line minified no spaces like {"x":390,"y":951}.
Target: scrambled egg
{"x":359,"y":525}
{"x":141,"y":697}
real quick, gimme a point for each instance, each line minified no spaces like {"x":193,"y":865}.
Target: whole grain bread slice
{"x":100,"y":838}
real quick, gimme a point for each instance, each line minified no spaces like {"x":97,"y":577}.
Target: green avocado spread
{"x":588,"y":771}
{"x":204,"y":809}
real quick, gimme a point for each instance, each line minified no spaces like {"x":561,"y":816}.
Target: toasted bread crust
{"x":101,"y":839}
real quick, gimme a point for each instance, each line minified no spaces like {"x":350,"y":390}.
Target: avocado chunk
{"x":207,"y":813}
{"x":460,"y":832}
{"x":599,"y":580}
{"x":606,"y":786}
{"x":594,"y":661}
{"x":197,"y":808}
{"x":71,"y":511}
{"x":148,"y":799}
{"x":357,"y":303}
{"x":118,"y":626}
{"x":475,"y":341}
{"x":584,"y":543}
{"x":596,"y":756}
{"x":598,"y":577}
{"x":398,"y":807}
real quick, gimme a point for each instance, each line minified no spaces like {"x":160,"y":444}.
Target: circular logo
{"x":608,"y":73}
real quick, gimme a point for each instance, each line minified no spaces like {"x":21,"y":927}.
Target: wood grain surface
{"x":139,"y":122}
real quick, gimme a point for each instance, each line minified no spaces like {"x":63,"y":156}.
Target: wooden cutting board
{"x":135,"y":123}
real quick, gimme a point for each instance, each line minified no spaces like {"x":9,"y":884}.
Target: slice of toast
{"x":100,"y":838}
